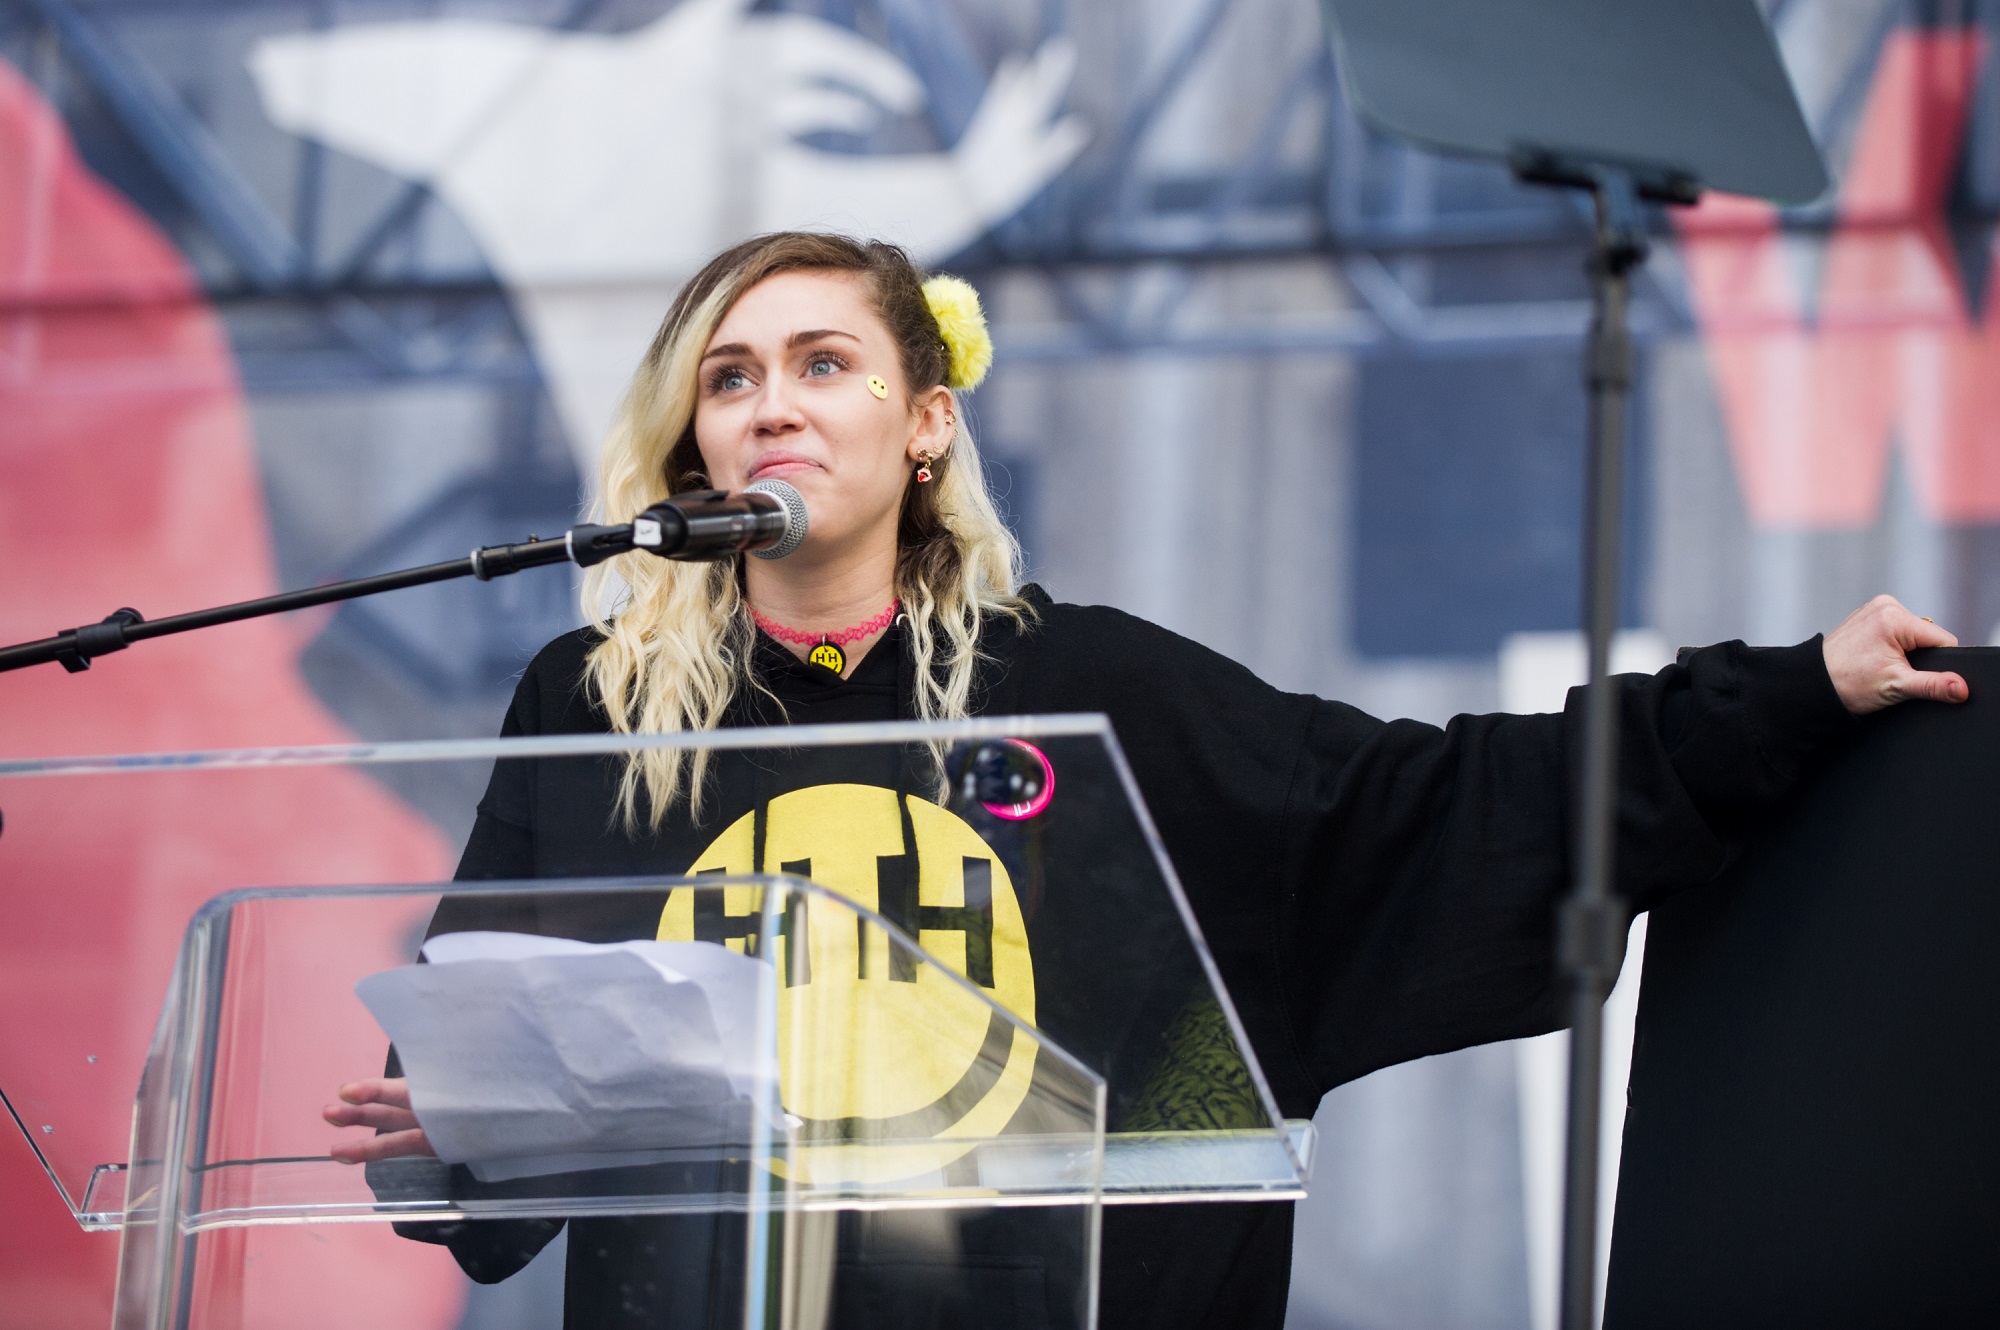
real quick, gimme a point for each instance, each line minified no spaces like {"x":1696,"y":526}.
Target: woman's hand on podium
{"x":384,"y":1104}
{"x":1867,"y":659}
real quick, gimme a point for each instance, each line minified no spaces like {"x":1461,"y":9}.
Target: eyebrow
{"x":793,"y":342}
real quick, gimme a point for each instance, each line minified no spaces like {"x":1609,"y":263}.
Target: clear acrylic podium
{"x":960,"y":1004}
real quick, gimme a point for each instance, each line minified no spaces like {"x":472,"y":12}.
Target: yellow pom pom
{"x":968,"y":346}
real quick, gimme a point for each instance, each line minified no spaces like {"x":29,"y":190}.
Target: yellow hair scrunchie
{"x":961,"y":323}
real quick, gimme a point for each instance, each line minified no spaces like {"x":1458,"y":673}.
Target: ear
{"x":932,"y":433}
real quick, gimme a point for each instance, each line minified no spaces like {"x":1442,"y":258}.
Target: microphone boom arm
{"x":768,"y":519}
{"x":75,"y":648}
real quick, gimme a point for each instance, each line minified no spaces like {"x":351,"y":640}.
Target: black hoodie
{"x":1372,"y":891}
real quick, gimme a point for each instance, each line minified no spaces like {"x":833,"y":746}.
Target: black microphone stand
{"x":1647,"y":102}
{"x":1593,"y":920}
{"x":74,"y":648}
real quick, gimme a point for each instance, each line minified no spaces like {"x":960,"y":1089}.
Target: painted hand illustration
{"x":599,"y":170}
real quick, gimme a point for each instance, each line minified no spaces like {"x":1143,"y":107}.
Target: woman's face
{"x":784,"y":393}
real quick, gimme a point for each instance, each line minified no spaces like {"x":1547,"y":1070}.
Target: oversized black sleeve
{"x":499,"y":848}
{"x":1376,"y":891}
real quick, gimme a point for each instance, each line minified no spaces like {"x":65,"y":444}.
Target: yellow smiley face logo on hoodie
{"x":872,"y":1045}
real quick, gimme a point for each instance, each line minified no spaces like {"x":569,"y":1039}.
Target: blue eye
{"x":730,"y":380}
{"x":821,"y":366}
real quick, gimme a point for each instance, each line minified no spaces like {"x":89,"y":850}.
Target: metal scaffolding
{"x":370,"y":299}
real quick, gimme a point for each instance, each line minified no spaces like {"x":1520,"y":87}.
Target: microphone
{"x":795,"y":518}
{"x":768,"y":520}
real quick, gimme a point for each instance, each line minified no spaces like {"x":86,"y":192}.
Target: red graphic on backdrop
{"x":128,"y":477}
{"x":1814,"y":391}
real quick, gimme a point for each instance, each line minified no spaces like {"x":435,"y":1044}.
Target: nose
{"x":776,"y":412}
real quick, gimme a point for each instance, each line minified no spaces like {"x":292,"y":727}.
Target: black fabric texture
{"x":1372,"y":891}
{"x":1809,"y":1138}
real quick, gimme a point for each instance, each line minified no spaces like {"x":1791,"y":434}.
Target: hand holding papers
{"x":529,"y":1055}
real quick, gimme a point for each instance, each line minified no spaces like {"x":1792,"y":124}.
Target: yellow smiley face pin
{"x":879,"y":386}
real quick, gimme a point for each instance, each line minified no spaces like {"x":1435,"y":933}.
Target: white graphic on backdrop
{"x":598,"y":171}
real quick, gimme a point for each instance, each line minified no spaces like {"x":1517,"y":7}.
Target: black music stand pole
{"x":1593,"y":920}
{"x":1628,"y":101}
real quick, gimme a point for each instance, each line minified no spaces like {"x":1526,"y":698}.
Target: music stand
{"x":1632,"y":102}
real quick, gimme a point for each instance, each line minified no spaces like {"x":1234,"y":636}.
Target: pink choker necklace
{"x":826,"y":647}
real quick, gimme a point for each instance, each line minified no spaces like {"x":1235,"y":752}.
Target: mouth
{"x":780,"y":464}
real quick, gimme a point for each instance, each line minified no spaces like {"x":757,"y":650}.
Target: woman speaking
{"x":1372,"y":891}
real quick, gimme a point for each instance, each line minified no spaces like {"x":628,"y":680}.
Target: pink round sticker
{"x":1019,"y":812}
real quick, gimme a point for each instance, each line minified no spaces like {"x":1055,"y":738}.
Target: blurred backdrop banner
{"x":297,"y":290}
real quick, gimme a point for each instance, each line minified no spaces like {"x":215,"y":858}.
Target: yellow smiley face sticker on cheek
{"x":879,"y":386}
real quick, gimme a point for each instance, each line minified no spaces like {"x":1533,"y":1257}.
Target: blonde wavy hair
{"x":677,"y":637}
